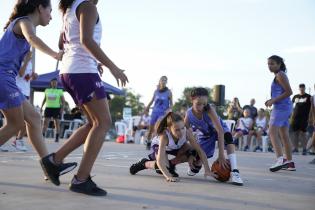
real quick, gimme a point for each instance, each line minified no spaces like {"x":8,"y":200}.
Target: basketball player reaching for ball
{"x":172,"y":137}
{"x":209,"y":128}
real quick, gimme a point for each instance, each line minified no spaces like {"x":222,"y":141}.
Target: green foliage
{"x":130,"y":99}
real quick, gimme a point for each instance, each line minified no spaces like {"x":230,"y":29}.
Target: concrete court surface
{"x":22,"y":185}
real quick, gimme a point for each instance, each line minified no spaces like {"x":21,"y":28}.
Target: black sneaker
{"x":53,"y":171}
{"x":139,"y":166}
{"x":246,"y":149}
{"x":304,"y":152}
{"x":148,"y":146}
{"x":172,"y":170}
{"x":88,"y":187}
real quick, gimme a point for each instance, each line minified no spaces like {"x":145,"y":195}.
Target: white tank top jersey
{"x":244,"y":123}
{"x":261,"y":122}
{"x":23,"y":82}
{"x":171,"y":143}
{"x":76,"y":58}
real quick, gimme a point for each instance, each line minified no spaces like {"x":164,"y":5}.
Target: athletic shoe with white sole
{"x":235,"y":178}
{"x":278,"y":165}
{"x":19,"y":145}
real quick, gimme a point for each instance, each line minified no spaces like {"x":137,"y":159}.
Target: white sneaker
{"x":278,"y":165}
{"x":19,"y":145}
{"x":235,"y":178}
{"x":4,"y":148}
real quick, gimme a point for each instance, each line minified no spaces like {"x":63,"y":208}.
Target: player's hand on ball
{"x":223,"y":163}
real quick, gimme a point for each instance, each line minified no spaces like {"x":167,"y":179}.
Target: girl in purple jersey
{"x":15,"y":43}
{"x":280,"y":114}
{"x":209,"y":128}
{"x":163,"y":102}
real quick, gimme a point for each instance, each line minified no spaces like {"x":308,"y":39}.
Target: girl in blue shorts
{"x":280,"y":114}
{"x":15,"y":43}
{"x":163,"y":102}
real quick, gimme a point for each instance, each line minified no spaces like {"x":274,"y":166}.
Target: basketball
{"x":223,"y":174}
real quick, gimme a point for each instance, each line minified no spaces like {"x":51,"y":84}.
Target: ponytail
{"x":25,"y":7}
{"x":64,"y":5}
{"x":280,"y":61}
{"x":166,"y":121}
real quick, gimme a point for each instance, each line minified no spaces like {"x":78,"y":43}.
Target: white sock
{"x":233,"y":162}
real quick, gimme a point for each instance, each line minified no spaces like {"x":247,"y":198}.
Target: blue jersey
{"x":204,"y":131}
{"x":12,"y":51}
{"x":161,"y":101}
{"x":277,"y":90}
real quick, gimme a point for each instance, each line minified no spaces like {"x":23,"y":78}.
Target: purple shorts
{"x":83,"y":87}
{"x":155,"y":149}
{"x":10,"y":95}
{"x":244,"y":132}
{"x":155,"y":116}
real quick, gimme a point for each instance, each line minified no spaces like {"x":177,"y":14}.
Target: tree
{"x":130,"y":99}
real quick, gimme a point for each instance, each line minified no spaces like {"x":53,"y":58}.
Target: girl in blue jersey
{"x":280,"y":114}
{"x":172,"y":137}
{"x":163,"y":102}
{"x":209,"y":128}
{"x":15,"y":43}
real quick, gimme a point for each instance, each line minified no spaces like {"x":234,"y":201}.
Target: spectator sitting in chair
{"x":143,"y":124}
{"x":234,"y":110}
{"x":243,"y":126}
{"x":260,"y":129}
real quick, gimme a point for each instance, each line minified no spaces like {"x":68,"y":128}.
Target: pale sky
{"x":198,"y":43}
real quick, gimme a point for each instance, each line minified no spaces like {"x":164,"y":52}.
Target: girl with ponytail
{"x":19,"y":35}
{"x":280,"y":114}
{"x":209,"y":128}
{"x":172,"y":136}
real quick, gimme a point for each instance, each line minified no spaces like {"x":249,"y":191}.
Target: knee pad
{"x":228,"y":138}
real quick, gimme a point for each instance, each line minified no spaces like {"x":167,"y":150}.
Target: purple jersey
{"x":204,"y":131}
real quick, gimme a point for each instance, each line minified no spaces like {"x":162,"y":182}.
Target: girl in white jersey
{"x":172,"y":137}
{"x":80,"y":39}
{"x":23,"y":80}
{"x":260,"y":129}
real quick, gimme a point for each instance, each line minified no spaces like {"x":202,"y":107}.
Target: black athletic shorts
{"x":299,"y":125}
{"x":52,"y":113}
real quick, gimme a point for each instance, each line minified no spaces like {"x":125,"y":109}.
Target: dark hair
{"x":302,"y":85}
{"x":280,"y":61}
{"x":199,"y":91}
{"x":166,"y":121}
{"x":64,"y":5}
{"x":25,"y":7}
